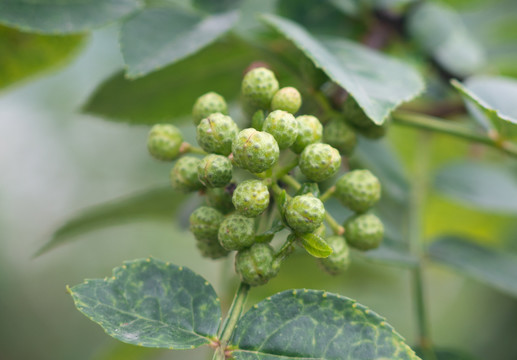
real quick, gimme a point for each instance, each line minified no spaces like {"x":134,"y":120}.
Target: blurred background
{"x":56,"y":161}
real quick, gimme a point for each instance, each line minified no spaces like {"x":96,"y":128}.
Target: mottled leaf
{"x":312,"y":324}
{"x":486,"y":186}
{"x":315,"y":245}
{"x":63,"y":16}
{"x":158,"y":37}
{"x":491,"y":267}
{"x":377,"y":82}
{"x":151,"y":303}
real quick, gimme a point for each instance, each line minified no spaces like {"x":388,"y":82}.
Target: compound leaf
{"x":150,"y":303}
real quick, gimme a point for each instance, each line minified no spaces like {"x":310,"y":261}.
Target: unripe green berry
{"x":255,"y":150}
{"x":236,"y":232}
{"x":319,"y":162}
{"x":256,"y":265}
{"x":339,"y":135}
{"x":216,"y":133}
{"x":205,"y":222}
{"x":220,"y":199}
{"x":287,"y":99}
{"x":283,"y":126}
{"x":184,"y":174}
{"x":251,"y":198}
{"x":215,"y":170}
{"x":358,"y":190}
{"x":164,"y":142}
{"x":258,"y":87}
{"x":211,"y":250}
{"x":310,"y":131}
{"x":304,"y":213}
{"x":207,"y":104}
{"x":339,"y":260}
{"x":364,"y":232}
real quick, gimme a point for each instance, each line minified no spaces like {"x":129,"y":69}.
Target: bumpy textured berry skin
{"x":236,"y":232}
{"x":211,"y":250}
{"x":310,"y":131}
{"x":358,"y":190}
{"x":184,"y":174}
{"x":256,"y":265}
{"x":220,"y":199}
{"x":207,"y":104}
{"x":304,"y":213}
{"x":251,"y":198}
{"x":287,"y":99}
{"x":216,"y":133}
{"x":364,"y":232}
{"x":205,"y":222}
{"x":340,"y":136}
{"x":283,"y":126}
{"x":258,"y":87}
{"x":215,"y":170}
{"x":255,"y":150}
{"x":318,"y":162}
{"x":339,"y":260}
{"x":164,"y":142}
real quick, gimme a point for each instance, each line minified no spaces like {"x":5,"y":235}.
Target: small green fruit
{"x":207,"y":104}
{"x":358,"y":190}
{"x":319,"y":162}
{"x":251,"y":198}
{"x":216,"y":133}
{"x":256,"y":265}
{"x":283,"y":126}
{"x":164,"y":142}
{"x":215,"y":170}
{"x":220,"y":199}
{"x":255,"y":150}
{"x":211,"y":250}
{"x":340,"y":136}
{"x":184,"y":174}
{"x":304,"y":213}
{"x":287,"y":99}
{"x":258,"y":87}
{"x":236,"y":232}
{"x":205,"y":222}
{"x":364,"y":232}
{"x":310,"y":131}
{"x":339,"y":260}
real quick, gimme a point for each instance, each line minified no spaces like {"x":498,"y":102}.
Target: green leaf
{"x":63,"y":16}
{"x":312,"y":324}
{"x":268,"y":235}
{"x":377,"y":82}
{"x":491,"y":267}
{"x":150,"y":303}
{"x":31,"y":53}
{"x":315,"y":245}
{"x":157,"y":37}
{"x":440,"y":32}
{"x":486,"y":186}
{"x":491,"y":101}
{"x":155,"y":204}
{"x":308,"y":188}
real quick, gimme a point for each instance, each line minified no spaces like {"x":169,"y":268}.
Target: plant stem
{"x":231,"y":320}
{"x":327,"y":194}
{"x":189,"y":148}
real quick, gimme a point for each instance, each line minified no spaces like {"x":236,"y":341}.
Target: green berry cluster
{"x":250,"y":178}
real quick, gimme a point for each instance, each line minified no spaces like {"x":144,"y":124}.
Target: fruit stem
{"x":327,"y":194}
{"x":189,"y":148}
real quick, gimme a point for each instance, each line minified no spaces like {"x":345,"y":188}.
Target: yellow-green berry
{"x":215,"y":171}
{"x":319,"y":162}
{"x":216,"y":133}
{"x":258,"y":87}
{"x":283,"y":126}
{"x":205,"y":222}
{"x":256,"y":265}
{"x":211,"y":250}
{"x":304,"y":213}
{"x":339,"y":260}
{"x":287,"y":99}
{"x":310,"y":131}
{"x":358,"y":190}
{"x":184,"y":174}
{"x":164,"y":142}
{"x":236,"y":232}
{"x":251,"y":198}
{"x":207,"y":104}
{"x":220,"y":199}
{"x":255,"y":150}
{"x":364,"y":232}
{"x":339,"y":135}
